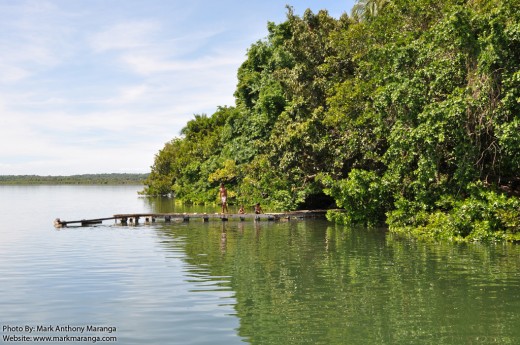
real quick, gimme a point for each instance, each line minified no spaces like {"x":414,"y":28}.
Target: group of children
{"x":223,"y":199}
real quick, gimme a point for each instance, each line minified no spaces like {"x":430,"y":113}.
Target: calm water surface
{"x":298,"y":282}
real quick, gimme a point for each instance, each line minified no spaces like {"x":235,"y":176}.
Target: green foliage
{"x":89,"y":179}
{"x":406,"y":113}
{"x":361,"y":195}
{"x":483,"y":216}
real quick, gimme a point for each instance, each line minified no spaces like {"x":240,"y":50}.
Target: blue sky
{"x":95,"y":86}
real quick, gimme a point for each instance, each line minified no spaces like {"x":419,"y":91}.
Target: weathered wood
{"x":83,"y":222}
{"x":133,"y":218}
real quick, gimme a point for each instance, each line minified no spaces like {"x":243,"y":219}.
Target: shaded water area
{"x":291,"y":282}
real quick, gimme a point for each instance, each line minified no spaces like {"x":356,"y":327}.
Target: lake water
{"x":297,"y":282}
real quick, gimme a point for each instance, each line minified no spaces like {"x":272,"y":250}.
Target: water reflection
{"x":304,"y":282}
{"x":160,"y":204}
{"x":291,"y":282}
{"x":165,"y":204}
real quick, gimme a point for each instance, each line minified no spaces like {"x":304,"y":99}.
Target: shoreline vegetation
{"x":83,"y":179}
{"x":405,"y":113}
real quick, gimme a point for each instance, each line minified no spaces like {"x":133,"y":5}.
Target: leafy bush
{"x":485,"y":215}
{"x":361,"y":195}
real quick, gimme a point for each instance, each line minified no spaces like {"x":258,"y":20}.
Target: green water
{"x":310,"y":282}
{"x":297,"y":282}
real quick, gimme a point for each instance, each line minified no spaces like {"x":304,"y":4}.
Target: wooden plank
{"x":92,"y":221}
{"x":205,"y":216}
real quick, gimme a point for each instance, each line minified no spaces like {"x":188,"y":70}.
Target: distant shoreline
{"x":84,"y":179}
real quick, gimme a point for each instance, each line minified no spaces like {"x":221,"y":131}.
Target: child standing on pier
{"x":223,"y":197}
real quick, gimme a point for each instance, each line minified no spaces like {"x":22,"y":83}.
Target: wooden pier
{"x":148,"y":218}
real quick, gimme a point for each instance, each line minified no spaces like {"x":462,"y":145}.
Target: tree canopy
{"x":406,"y":113}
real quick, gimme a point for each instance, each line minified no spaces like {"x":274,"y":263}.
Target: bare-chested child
{"x":258,"y":209}
{"x":223,"y":197}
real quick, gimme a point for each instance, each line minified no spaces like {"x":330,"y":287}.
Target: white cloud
{"x":30,"y":43}
{"x":10,"y":73}
{"x":145,"y":48}
{"x":147,"y":63}
{"x":131,"y":94}
{"x":56,"y":119}
{"x":100,"y":86}
{"x":128,"y":35}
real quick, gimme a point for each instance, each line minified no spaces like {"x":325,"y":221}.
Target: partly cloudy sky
{"x":97,"y":86}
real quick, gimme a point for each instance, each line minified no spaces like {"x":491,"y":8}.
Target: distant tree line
{"x":92,"y":179}
{"x":406,"y":113}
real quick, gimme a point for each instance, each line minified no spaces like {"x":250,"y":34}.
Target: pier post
{"x":133,"y":218}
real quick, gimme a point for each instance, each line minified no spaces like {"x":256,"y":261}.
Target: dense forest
{"x":94,"y":179}
{"x":404,"y":113}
